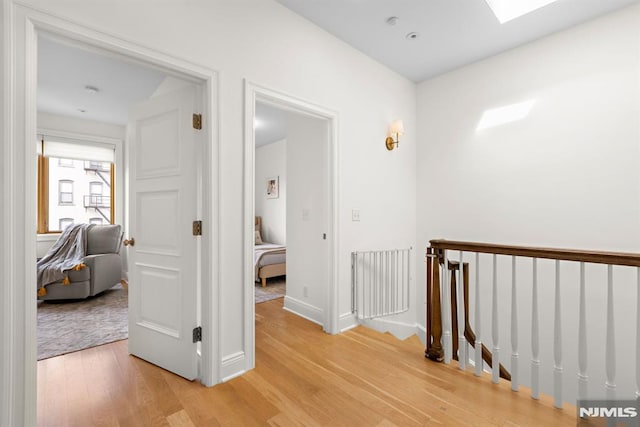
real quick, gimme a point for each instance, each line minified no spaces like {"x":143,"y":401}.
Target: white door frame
{"x":254,"y":92}
{"x":18,"y":212}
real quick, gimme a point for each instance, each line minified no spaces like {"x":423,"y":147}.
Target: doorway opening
{"x":291,"y":198}
{"x":271,"y":199}
{"x":152,"y":112}
{"x":27,"y":26}
{"x":83,"y":101}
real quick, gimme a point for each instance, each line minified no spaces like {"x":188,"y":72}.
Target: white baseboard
{"x":302,"y":309}
{"x":347,"y":321}
{"x":233,"y":366}
{"x":421,"y":332}
{"x":399,"y":330}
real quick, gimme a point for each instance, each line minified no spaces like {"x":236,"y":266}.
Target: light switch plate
{"x":355,"y":215}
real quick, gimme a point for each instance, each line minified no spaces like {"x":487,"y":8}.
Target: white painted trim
{"x":347,"y":321}
{"x":18,"y":363}
{"x":233,"y":366}
{"x":252,"y":91}
{"x":211,"y":314}
{"x":421,"y":332}
{"x":249,"y":319}
{"x":400,"y":330}
{"x":302,"y":309}
{"x":12,"y":411}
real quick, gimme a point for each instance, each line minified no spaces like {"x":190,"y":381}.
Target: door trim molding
{"x":18,"y":340}
{"x":252,"y":93}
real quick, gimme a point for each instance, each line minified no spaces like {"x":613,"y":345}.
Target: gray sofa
{"x":104,"y":266}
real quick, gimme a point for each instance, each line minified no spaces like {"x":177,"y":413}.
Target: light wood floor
{"x":302,"y":377}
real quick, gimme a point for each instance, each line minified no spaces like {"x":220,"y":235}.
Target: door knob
{"x":129,"y":242}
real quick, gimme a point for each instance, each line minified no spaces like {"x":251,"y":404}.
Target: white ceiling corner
{"x":452,"y":33}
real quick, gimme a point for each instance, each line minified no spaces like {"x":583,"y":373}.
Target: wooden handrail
{"x":612,"y":258}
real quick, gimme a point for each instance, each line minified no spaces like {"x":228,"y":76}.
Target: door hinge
{"x":197,"y":334}
{"x":197,"y":121}
{"x":197,"y":228}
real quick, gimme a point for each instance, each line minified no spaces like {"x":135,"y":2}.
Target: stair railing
{"x":449,"y":325}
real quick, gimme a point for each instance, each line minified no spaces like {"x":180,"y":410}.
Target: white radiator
{"x":380,"y":282}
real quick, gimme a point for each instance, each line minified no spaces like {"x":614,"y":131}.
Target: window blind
{"x":75,"y":149}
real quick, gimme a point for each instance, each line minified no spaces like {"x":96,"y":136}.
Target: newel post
{"x":434,"y":349}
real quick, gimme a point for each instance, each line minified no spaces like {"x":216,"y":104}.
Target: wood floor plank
{"x":303,"y":377}
{"x":180,"y":419}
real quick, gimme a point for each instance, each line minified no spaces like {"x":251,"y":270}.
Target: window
{"x":65,"y":163}
{"x":64,"y":223}
{"x":78,"y":194}
{"x":65,"y":192}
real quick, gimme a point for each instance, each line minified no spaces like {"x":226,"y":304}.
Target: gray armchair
{"x":103,"y":266}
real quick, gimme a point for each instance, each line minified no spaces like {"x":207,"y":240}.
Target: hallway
{"x":302,"y":377}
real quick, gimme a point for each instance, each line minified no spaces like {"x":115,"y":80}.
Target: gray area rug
{"x":64,"y":327}
{"x":68,"y":326}
{"x":276,"y":288}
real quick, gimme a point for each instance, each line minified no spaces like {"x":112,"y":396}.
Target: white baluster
{"x":446,"y":311}
{"x":610,"y":355}
{"x":557,"y":344}
{"x":535,"y":335}
{"x":638,"y":336}
{"x":467,"y":344}
{"x":514,"y":328}
{"x":495,"y":361}
{"x":478,"y":342}
{"x":583,"y":377}
{"x":462,"y":354}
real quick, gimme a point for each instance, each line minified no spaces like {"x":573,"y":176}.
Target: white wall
{"x":48,"y":121}
{"x":310,"y":66}
{"x":566,"y":176}
{"x":270,"y":161}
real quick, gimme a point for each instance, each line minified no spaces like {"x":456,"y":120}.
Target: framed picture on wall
{"x":273,"y":187}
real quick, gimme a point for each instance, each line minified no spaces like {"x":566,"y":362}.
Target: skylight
{"x":506,"y":10}
{"x":507,"y":114}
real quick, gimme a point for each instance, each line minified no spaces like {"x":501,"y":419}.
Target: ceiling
{"x":65,"y":70}
{"x":452,"y":33}
{"x":270,"y":124}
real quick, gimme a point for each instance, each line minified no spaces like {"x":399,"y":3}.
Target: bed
{"x":270,"y":260}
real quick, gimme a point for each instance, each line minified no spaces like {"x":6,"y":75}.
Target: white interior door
{"x":162,"y":207}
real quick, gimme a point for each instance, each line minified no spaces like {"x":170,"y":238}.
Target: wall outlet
{"x":305,"y":292}
{"x":355,"y":215}
{"x":305,"y":214}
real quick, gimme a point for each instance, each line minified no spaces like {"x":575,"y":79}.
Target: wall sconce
{"x":397,"y":129}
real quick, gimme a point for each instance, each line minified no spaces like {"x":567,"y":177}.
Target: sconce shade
{"x":397,"y":128}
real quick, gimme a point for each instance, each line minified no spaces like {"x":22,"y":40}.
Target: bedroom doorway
{"x":81,"y":119}
{"x":290,"y":202}
{"x":88,"y":108}
{"x":21,"y":170}
{"x":153,"y":111}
